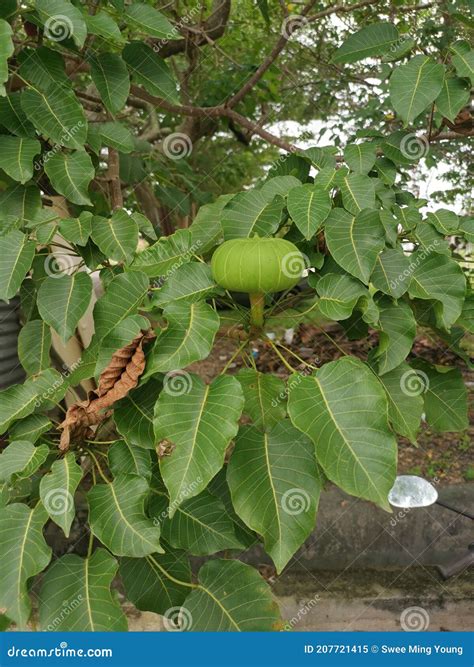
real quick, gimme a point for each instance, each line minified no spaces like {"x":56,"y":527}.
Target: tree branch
{"x":113,"y":177}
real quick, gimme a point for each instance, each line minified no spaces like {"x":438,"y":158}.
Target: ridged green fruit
{"x":257,"y":265}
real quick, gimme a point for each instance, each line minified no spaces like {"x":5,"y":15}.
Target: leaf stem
{"x":302,"y":361}
{"x":234,"y":356}
{"x":99,"y":469}
{"x":277,"y":351}
{"x":188,"y":584}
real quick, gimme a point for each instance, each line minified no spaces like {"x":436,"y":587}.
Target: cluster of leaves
{"x":183,"y":477}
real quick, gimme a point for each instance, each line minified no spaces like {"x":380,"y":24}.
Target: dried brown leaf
{"x":116,"y":380}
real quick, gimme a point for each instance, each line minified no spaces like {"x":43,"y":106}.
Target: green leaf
{"x":343,"y":409}
{"x":189,"y":337}
{"x":133,"y":415}
{"x":360,"y":157}
{"x":445,"y":395}
{"x":308,"y":206}
{"x":57,"y":491}
{"x":250,"y":213}
{"x":20,"y":400}
{"x":326,"y":178}
{"x":206,"y":229}
{"x":152,"y":583}
{"x":21,"y":459}
{"x":231,"y":596}
{"x":373,"y":40}
{"x":61,"y":20}
{"x":414,"y":86}
{"x":23,"y":202}
{"x":34,"y":344}
{"x":405,"y":402}
{"x":117,"y":517}
{"x":117,"y":237}
{"x":23,"y":547}
{"x":76,"y":595}
{"x":77,"y":230}
{"x":431,"y":240}
{"x":386,"y":170}
{"x":15,"y":262}
{"x":150,"y":71}
{"x":43,"y":68}
{"x":168,"y":253}
{"x":16,"y":157}
{"x":453,"y":97}
{"x":6,"y":50}
{"x":392,"y":273}
{"x":110,"y":76}
{"x":144,"y":226}
{"x":358,"y":192}
{"x":338,"y":295}
{"x":127,"y":459}
{"x":322,"y":159}
{"x":355,"y":241}
{"x":103,"y":25}
{"x":62,"y":301}
{"x":111,"y":134}
{"x":275,"y":486}
{"x":191,"y":282}
{"x":397,"y":328}
{"x":280,"y":185}
{"x":463,"y":59}
{"x":70,"y":175}
{"x":150,"y":21}
{"x":446,"y":222}
{"x":401,"y":48}
{"x":30,"y":428}
{"x":57,"y":115}
{"x":122,"y":298}
{"x":265,"y":397}
{"x":438,"y":278}
{"x":12,"y":116}
{"x":200,"y":526}
{"x":200,"y":424}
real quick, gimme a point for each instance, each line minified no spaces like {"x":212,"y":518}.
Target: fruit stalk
{"x":257,"y":302}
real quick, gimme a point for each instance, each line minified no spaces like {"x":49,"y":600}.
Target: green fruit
{"x":257,"y":265}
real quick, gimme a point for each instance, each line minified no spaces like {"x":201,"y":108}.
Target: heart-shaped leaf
{"x":63,"y":300}
{"x":275,"y":486}
{"x":76,"y":595}
{"x":343,"y":409}
{"x":199,"y":424}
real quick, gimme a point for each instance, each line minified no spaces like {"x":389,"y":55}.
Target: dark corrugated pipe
{"x":11,"y":371}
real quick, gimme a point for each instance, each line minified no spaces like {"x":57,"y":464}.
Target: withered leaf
{"x":116,"y":380}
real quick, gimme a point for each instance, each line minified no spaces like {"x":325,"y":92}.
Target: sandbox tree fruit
{"x":257,"y":266}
